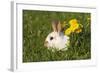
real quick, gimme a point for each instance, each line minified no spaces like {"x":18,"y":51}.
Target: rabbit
{"x":56,"y":39}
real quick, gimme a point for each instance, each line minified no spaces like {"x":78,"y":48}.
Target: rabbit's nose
{"x":45,"y":43}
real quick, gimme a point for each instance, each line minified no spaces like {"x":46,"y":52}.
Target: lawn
{"x":36,"y":27}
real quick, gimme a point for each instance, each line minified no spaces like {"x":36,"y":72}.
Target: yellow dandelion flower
{"x":79,"y":30}
{"x":72,"y":22}
{"x":74,"y":27}
{"x":68,"y":31}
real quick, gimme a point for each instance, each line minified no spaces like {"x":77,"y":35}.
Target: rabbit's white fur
{"x":59,"y":42}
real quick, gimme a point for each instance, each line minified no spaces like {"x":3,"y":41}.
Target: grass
{"x":36,"y":27}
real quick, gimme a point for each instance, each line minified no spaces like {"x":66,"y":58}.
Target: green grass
{"x":36,"y":27}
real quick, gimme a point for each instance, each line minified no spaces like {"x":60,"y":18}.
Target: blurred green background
{"x":36,"y":27}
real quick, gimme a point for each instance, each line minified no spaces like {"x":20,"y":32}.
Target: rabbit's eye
{"x":51,"y":38}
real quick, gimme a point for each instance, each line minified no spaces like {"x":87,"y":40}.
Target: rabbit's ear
{"x":59,"y":27}
{"x":54,"y":26}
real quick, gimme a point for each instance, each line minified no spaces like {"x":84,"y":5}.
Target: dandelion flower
{"x":79,"y":30}
{"x":68,"y":31}
{"x":73,"y":21}
{"x":74,"y":27}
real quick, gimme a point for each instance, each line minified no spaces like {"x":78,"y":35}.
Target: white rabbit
{"x":57,"y":39}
